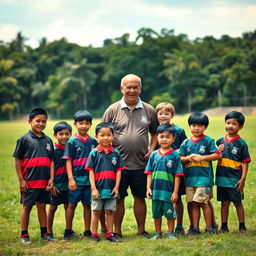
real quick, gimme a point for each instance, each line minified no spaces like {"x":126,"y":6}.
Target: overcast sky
{"x":91,"y":21}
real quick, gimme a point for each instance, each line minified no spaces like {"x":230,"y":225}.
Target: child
{"x":76,"y":153}
{"x":197,"y":153}
{"x":232,"y":170}
{"x":164,"y":170}
{"x":104,"y":166}
{"x":165,"y":112}
{"x":62,"y":132}
{"x":35,"y":167}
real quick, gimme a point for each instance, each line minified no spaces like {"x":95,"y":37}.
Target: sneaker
{"x":171,"y":236}
{"x":88,"y":233}
{"x":156,"y":236}
{"x":95,"y":239}
{"x":209,"y":231}
{"x":114,"y":239}
{"x":223,"y":230}
{"x":144,"y":233}
{"x":51,"y":235}
{"x":48,"y":238}
{"x":118,"y":236}
{"x":25,"y":239}
{"x":215,"y":228}
{"x":190,"y":230}
{"x":195,"y":232}
{"x":243,"y":231}
{"x":103,"y":231}
{"x":179,"y":231}
{"x":68,"y":235}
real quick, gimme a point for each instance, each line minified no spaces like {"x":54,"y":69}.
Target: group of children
{"x":80,"y":168}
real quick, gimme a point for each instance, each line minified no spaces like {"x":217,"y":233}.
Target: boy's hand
{"x":174,"y":197}
{"x":23,"y":186}
{"x":95,"y":194}
{"x":114,"y":193}
{"x":240,"y":185}
{"x":149,"y":193}
{"x":221,"y":147}
{"x":54,"y":191}
{"x":197,"y":158}
{"x":191,"y":157}
{"x":50,"y":185}
{"x":72,"y":185}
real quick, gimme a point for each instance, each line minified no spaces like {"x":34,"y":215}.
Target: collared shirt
{"x":124,"y":105}
{"x":36,"y":154}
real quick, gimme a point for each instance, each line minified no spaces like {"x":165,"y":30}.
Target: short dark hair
{"x":165,"y":128}
{"x":82,"y":115}
{"x":237,"y":115}
{"x":61,"y":126}
{"x":198,"y":118}
{"x":37,"y":111}
{"x":104,"y":125}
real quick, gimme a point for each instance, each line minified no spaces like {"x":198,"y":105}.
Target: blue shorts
{"x":82,"y":193}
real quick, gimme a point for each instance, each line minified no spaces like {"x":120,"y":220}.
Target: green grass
{"x":227,"y":244}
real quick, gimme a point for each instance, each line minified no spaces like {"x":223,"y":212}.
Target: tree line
{"x":64,"y":77}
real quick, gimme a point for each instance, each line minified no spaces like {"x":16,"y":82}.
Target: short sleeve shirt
{"x":132,"y":128}
{"x":199,"y":174}
{"x":77,"y":150}
{"x":163,"y":168}
{"x":36,"y":154}
{"x":229,"y":167}
{"x":105,"y":165}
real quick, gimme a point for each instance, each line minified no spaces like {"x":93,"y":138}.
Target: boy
{"x":59,"y":192}
{"x":76,"y":153}
{"x":35,"y":167}
{"x":165,"y":112}
{"x":197,"y":153}
{"x":164,"y":170}
{"x":232,"y":170}
{"x":104,"y":166}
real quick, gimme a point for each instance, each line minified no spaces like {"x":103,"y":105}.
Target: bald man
{"x":133,"y":120}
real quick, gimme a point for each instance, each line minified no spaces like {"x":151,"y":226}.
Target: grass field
{"x":226,"y":244}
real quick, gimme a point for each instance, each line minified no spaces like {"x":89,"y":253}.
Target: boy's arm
{"x":22,"y":182}
{"x":240,"y":184}
{"x":95,"y":192}
{"x":71,"y":181}
{"x":174,"y":196}
{"x":50,"y":182}
{"x":208,"y":158}
{"x":152,"y":145}
{"x":149,"y":183}
{"x":115,"y":191}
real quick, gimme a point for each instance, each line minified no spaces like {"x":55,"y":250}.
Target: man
{"x":132,"y":119}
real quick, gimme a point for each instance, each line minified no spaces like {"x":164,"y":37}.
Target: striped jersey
{"x":180,"y":136}
{"x":163,"y":168}
{"x":60,"y":171}
{"x":198,"y":174}
{"x":229,"y":167}
{"x":105,"y":165}
{"x":77,"y":150}
{"x":36,"y":154}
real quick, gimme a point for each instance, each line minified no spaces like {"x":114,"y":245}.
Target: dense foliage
{"x":64,"y":77}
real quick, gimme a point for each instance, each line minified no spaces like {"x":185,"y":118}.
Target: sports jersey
{"x":198,"y":174}
{"x":163,"y":168}
{"x":60,"y":171}
{"x":77,"y":150}
{"x":36,"y":154}
{"x":229,"y":167}
{"x":105,"y":165}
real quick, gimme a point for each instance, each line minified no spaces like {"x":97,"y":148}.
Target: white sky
{"x":91,"y":21}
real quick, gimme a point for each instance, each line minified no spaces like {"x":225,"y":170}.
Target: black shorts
{"x":182,"y":188}
{"x":61,"y":198}
{"x":229,"y":194}
{"x":136,"y":179}
{"x":34,"y":195}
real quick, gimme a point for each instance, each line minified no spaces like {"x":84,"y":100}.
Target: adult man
{"x":132,"y":119}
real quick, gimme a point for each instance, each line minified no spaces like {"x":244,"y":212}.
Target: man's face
{"x":131,"y":90}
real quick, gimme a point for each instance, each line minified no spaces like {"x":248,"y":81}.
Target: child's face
{"x":197,"y":129}
{"x":82,"y":127}
{"x":62,"y":137}
{"x":38,"y":124}
{"x":164,"y":116}
{"x":165,"y":139}
{"x":232,"y":126}
{"x":105,"y":137}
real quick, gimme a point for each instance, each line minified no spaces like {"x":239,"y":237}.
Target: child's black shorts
{"x":34,"y":195}
{"x":229,"y":194}
{"x":61,"y":198}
